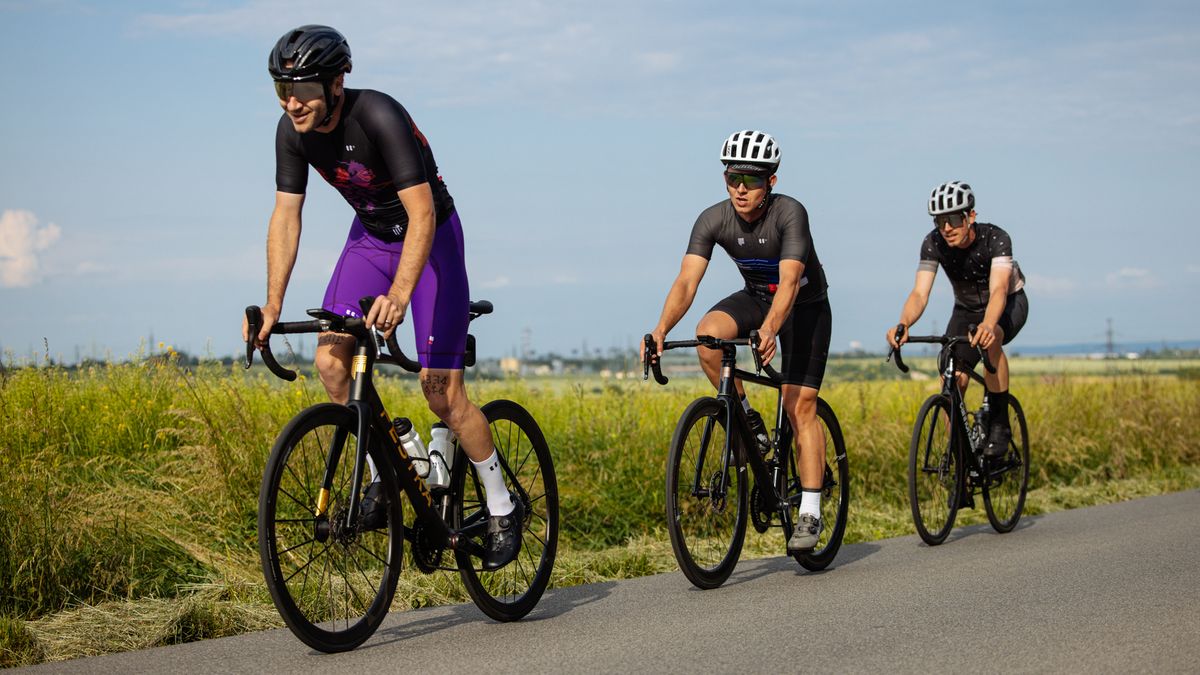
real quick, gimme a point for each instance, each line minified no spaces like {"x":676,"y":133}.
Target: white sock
{"x":810,"y":502}
{"x":371,"y":466}
{"x":492,"y":475}
{"x":746,"y":404}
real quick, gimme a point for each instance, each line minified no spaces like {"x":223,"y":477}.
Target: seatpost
{"x":728,"y":362}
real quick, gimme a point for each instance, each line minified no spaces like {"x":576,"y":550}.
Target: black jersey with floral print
{"x":375,"y":151}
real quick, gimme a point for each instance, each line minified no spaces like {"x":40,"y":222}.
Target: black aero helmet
{"x":314,"y":52}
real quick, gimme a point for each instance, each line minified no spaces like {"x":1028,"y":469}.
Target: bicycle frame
{"x":372,"y":421}
{"x":736,"y":421}
{"x":960,"y":430}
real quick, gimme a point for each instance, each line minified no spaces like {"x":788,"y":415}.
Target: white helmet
{"x":752,"y":150}
{"x":951,"y":197}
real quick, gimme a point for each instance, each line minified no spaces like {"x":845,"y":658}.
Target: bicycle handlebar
{"x":325,"y":322}
{"x":945,"y":340}
{"x":650,"y":360}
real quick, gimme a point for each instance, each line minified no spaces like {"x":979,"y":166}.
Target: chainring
{"x":760,"y":518}
{"x":426,"y":554}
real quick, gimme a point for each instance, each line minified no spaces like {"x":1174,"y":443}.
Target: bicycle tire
{"x":355,"y":570}
{"x":511,"y":592}
{"x":935,"y":471}
{"x":705,"y":537}
{"x":1002,"y":503}
{"x":835,"y":495}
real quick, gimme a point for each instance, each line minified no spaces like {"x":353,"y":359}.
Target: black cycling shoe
{"x":758,"y":429}
{"x":503,"y":537}
{"x":997,"y":442}
{"x":373,"y":507}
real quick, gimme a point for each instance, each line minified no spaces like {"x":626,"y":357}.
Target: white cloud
{"x":565,"y":280}
{"x":660,"y":62}
{"x":1050,"y":286}
{"x":1193,"y":269}
{"x":1132,"y":277}
{"x":574,"y":55}
{"x":21,"y":242}
{"x":498,"y":282}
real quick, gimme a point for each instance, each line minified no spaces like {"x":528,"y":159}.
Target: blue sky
{"x":579,"y":140}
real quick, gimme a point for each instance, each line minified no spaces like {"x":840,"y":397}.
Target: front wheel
{"x":1008,"y":477}
{"x":835,"y":495}
{"x":935,"y":472}
{"x":509,"y":593}
{"x":331,"y":579}
{"x":706,"y":496}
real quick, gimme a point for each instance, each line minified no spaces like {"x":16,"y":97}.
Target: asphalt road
{"x":1104,"y":589}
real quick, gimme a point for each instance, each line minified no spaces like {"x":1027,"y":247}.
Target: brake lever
{"x":651,"y":361}
{"x":901,"y":329}
{"x":254,"y":324}
{"x":758,"y":364}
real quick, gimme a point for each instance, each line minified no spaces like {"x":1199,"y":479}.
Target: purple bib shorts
{"x":440,"y":303}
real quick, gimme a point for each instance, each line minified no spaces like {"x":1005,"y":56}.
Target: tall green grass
{"x":129,"y":492}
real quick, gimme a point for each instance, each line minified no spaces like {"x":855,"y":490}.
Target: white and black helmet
{"x":951,"y":197}
{"x":751,"y":150}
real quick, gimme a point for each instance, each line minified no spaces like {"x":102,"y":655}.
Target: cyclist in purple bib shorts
{"x":405,"y":246}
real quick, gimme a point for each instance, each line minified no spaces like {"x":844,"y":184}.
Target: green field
{"x":129,"y":493}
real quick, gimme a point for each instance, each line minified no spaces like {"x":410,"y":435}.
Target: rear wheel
{"x":935,"y":473}
{"x":835,"y":495}
{"x":706,"y":496}
{"x":332,"y":582}
{"x":509,"y":593}
{"x":1008,"y":477}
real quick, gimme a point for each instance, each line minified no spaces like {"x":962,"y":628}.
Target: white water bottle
{"x":441,"y":455}
{"x":414,"y":447}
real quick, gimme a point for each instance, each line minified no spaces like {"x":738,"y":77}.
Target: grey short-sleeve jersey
{"x":969,"y":269}
{"x":756,"y":248}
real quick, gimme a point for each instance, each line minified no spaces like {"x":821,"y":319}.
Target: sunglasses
{"x":954,"y":220}
{"x":303,"y":91}
{"x":751,"y":181}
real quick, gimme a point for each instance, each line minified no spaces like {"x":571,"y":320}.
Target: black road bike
{"x":331,"y":575}
{"x":946,"y":465}
{"x":709,"y":494}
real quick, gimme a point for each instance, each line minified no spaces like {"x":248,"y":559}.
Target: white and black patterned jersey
{"x":969,"y":269}
{"x":782,"y":233}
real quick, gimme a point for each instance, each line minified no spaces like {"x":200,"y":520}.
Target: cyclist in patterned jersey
{"x":405,"y":246}
{"x":988,"y":292}
{"x":768,"y":237}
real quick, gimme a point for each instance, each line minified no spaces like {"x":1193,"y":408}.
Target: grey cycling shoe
{"x":805,"y":536}
{"x":503,"y":537}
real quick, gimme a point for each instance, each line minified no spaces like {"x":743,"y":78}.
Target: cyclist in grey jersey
{"x":782,"y":233}
{"x":988,"y":293}
{"x":768,"y":237}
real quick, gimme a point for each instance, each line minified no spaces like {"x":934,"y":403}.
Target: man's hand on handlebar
{"x":897,"y":335}
{"x":766,"y":344}
{"x":270,"y":316}
{"x":984,"y":335}
{"x":387,"y":312}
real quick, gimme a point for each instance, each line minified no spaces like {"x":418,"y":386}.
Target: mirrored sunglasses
{"x":303,"y":91}
{"x":751,"y":181}
{"x":954,"y":220}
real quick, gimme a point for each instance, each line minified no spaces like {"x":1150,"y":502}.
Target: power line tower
{"x":1110,"y":350}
